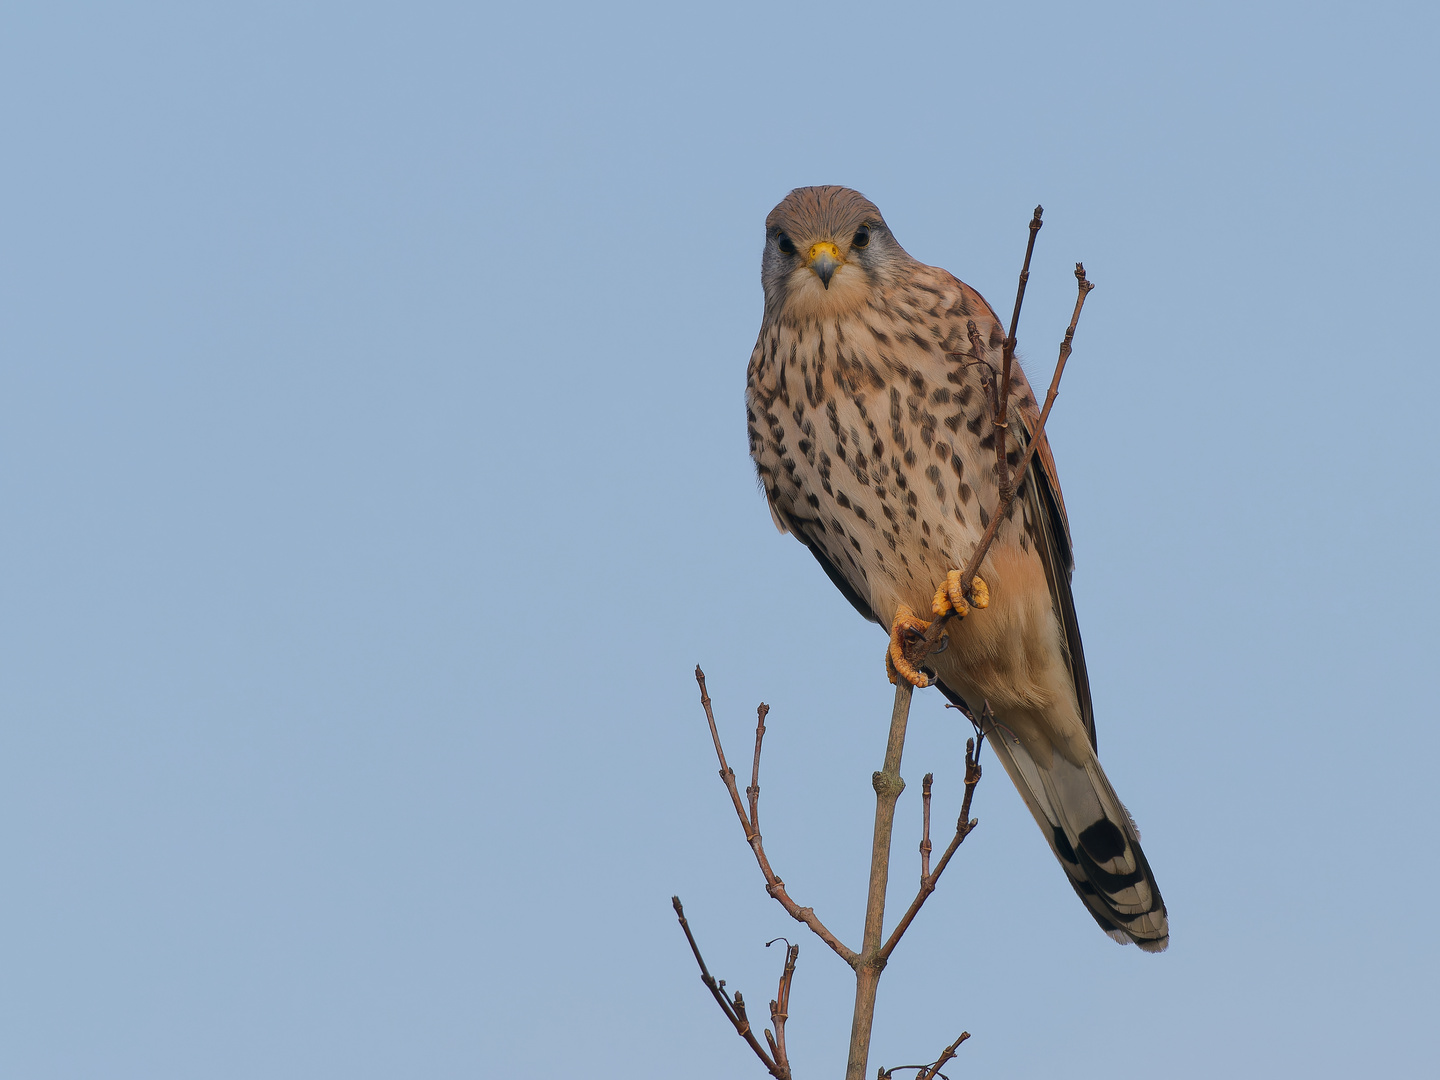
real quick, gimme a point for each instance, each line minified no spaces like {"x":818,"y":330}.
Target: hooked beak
{"x":824,"y":259}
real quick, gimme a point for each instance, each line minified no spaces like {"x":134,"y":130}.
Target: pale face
{"x":826,"y":252}
{"x":825,"y":279}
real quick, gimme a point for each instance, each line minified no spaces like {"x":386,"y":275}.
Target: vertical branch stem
{"x":870,"y":963}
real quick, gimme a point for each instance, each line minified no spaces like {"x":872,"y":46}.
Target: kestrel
{"x":873,"y":437}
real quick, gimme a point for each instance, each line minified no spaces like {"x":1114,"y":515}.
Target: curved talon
{"x":950,"y":597}
{"x":896,"y":663}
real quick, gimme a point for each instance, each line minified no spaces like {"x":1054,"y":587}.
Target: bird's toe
{"x":906,"y":628}
{"x":950,"y":596}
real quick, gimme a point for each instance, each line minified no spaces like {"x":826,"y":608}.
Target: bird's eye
{"x":862,"y":237}
{"x":785,"y":244}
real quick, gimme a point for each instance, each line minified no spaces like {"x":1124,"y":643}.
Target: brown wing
{"x":846,"y":590}
{"x":1041,"y":489}
{"x":806,"y":530}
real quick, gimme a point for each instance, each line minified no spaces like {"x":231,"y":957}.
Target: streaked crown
{"x":823,"y":213}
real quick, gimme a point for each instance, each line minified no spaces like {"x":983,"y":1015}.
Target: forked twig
{"x":946,"y":1055}
{"x":734,"y":1010}
{"x":773,"y":884}
{"x":928,"y":1072}
{"x":964,"y":826}
{"x":780,"y":1007}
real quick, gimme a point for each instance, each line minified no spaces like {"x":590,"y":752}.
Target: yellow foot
{"x":949,"y":597}
{"x":905,"y":629}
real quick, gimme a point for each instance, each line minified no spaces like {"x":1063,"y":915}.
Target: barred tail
{"x":1095,"y":839}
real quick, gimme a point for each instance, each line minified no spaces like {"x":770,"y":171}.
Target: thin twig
{"x":773,"y":884}
{"x":725,"y":772}
{"x":734,"y":1011}
{"x":925,"y":846}
{"x":1008,"y":357}
{"x":780,"y":1007}
{"x":927,"y":1072}
{"x":949,"y":1053}
{"x":753,"y":791}
{"x":1084,"y":285}
{"x":964,"y":826}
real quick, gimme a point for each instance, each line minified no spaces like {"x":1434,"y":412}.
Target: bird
{"x":873,"y":438}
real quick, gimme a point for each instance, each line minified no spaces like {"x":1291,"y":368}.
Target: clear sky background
{"x":374,"y":475}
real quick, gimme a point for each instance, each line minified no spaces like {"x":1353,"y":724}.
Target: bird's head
{"x":826,"y":249}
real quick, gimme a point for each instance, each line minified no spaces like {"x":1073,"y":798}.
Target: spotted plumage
{"x":868,"y":410}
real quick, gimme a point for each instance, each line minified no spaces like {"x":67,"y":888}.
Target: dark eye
{"x":862,"y":237}
{"x":785,"y":244}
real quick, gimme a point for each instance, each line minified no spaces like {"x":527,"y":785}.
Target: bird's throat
{"x":807,"y":297}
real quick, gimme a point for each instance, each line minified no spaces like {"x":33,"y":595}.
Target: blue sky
{"x":375,"y":475}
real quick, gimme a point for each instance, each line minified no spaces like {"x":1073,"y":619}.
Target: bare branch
{"x":1085,"y":286}
{"x":948,"y":1053}
{"x":888,"y":786}
{"x":734,"y":1011}
{"x":925,"y":846}
{"x":780,"y":1007}
{"x":1008,"y":357}
{"x":927,"y":1072}
{"x":725,"y":772}
{"x":964,"y":826}
{"x":753,"y":791}
{"x":773,"y":884}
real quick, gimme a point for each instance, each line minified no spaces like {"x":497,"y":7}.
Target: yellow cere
{"x":824,"y":247}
